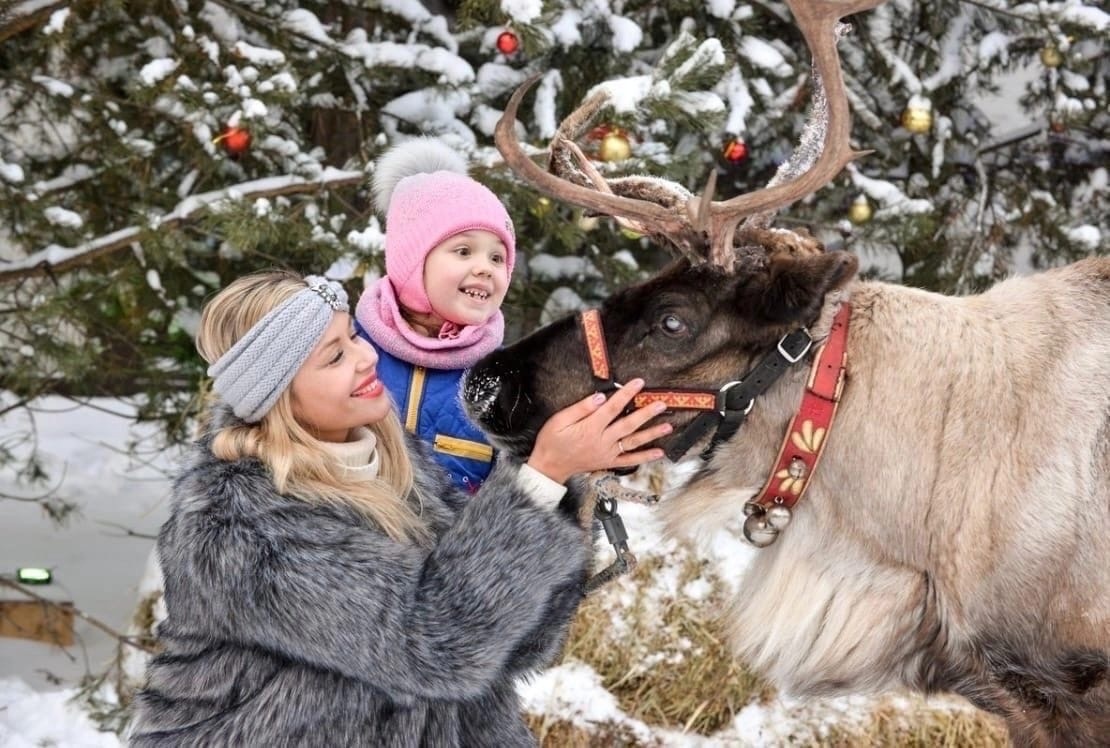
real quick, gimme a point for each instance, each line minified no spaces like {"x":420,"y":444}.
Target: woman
{"x":325,"y":583}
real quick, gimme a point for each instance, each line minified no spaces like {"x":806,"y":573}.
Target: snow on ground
{"x":32,"y":719}
{"x":96,"y":564}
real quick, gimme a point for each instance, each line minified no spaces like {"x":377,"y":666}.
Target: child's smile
{"x":466,"y":277}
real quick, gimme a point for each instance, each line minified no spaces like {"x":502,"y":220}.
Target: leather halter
{"x":724,"y":409}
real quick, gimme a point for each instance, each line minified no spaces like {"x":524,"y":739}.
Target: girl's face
{"x":466,"y":278}
{"x":337,"y":389}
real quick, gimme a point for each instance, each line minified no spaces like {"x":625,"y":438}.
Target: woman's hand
{"x":592,"y":435}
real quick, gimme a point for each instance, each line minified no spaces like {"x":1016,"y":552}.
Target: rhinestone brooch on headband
{"x":328,"y":294}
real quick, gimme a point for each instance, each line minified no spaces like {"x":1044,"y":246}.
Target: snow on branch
{"x":893,"y":201}
{"x":26,"y":15}
{"x":54,"y":259}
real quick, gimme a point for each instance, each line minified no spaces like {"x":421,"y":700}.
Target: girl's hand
{"x":592,"y":435}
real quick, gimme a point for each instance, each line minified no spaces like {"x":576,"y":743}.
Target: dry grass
{"x":553,"y":733}
{"x":920,"y":727}
{"x":664,"y":662}
{"x":660,"y":655}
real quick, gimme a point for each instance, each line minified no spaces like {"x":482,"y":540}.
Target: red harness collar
{"x":805,"y":440}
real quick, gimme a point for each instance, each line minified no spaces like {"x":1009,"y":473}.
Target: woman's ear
{"x":792,"y":288}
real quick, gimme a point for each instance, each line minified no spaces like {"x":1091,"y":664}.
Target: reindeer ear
{"x":793,"y":287}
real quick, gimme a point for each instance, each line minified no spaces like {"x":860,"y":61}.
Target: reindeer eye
{"x":672,"y":324}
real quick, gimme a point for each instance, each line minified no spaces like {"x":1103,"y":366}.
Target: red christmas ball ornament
{"x":235,"y":140}
{"x":507,"y":42}
{"x":599,"y":132}
{"x":735,"y":151}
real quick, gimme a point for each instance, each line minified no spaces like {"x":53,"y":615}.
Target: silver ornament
{"x":758,"y":532}
{"x":779,"y":517}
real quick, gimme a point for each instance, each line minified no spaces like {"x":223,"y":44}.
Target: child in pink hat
{"x":449,"y":253}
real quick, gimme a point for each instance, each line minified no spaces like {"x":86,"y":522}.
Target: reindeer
{"x":953,"y":453}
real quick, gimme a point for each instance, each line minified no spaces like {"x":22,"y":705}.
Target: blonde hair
{"x":299,"y":465}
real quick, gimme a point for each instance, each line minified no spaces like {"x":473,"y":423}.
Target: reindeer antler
{"x":573,"y":188}
{"x":667,"y":209}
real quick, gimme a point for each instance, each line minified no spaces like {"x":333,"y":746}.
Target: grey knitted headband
{"x":252,"y":375}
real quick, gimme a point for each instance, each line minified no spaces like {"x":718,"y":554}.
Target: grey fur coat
{"x":294,"y":624}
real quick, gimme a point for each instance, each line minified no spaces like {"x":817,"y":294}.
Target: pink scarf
{"x":456,"y":347}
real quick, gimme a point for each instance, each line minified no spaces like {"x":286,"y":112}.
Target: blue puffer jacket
{"x":431,"y":407}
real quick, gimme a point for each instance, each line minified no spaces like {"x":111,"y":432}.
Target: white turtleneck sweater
{"x":359,"y":458}
{"x":358,"y":455}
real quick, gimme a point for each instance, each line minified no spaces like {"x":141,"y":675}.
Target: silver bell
{"x":779,"y":517}
{"x":750,"y":508}
{"x":758,"y":532}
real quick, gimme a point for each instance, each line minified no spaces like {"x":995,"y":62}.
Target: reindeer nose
{"x":493,"y":392}
{"x":480,"y":391}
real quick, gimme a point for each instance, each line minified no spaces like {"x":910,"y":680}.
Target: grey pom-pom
{"x":416,"y":156}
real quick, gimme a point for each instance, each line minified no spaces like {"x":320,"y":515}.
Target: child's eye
{"x":336,"y":358}
{"x":463,"y":251}
{"x":498,"y":258}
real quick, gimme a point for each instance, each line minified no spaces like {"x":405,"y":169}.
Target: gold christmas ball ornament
{"x":588,"y":223}
{"x":1051,"y":56}
{"x":614,"y":146}
{"x":918,"y":118}
{"x":543,"y":206}
{"x":860,"y":211}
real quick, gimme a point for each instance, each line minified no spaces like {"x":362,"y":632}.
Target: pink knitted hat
{"x":430,"y":198}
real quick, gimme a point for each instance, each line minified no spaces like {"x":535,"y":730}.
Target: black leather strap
{"x":736,"y":399}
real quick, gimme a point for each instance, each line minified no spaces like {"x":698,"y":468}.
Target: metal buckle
{"x":723,"y":393}
{"x":785,"y":354}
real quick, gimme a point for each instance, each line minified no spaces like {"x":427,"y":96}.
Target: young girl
{"x":449,"y":253}
{"x":325,"y":584}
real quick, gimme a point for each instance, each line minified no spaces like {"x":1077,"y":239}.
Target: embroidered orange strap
{"x":595,"y":343}
{"x":676,"y":399}
{"x":808,"y":433}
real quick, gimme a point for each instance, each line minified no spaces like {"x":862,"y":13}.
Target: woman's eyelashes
{"x":354,"y":338}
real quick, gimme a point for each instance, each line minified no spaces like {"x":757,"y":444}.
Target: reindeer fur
{"x":956,"y":536}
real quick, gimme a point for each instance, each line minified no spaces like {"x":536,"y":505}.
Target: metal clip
{"x":606,"y":511}
{"x":805,"y":349}
{"x":612,"y":523}
{"x":722,"y":396}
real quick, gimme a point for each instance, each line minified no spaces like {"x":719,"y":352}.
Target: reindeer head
{"x":738,"y":289}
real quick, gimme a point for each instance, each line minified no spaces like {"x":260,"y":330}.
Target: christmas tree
{"x":150,"y":152}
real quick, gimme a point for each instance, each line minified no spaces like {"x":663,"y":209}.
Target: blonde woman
{"x":325,"y":582}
